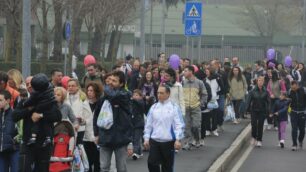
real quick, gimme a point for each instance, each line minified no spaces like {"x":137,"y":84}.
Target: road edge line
{"x":225,"y":158}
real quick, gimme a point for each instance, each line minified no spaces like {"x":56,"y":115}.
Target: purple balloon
{"x":270,"y":54}
{"x":174,"y":61}
{"x":288,"y":61}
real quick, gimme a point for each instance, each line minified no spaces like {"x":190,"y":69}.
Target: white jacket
{"x":77,"y":107}
{"x":177,"y":96}
{"x":214,"y":88}
{"x":88,"y":114}
{"x":164,"y":122}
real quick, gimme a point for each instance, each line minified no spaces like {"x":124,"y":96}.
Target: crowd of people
{"x":155,"y":107}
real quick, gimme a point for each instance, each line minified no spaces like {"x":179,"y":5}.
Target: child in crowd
{"x":40,"y":100}
{"x":60,"y":94}
{"x":138,"y":111}
{"x":280,"y":110}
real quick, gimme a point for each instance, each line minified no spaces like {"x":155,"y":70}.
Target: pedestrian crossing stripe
{"x":193,"y":12}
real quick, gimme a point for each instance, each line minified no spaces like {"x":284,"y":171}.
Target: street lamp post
{"x":163,"y":46}
{"x":26,"y":38}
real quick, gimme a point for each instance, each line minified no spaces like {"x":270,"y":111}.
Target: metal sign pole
{"x":192,"y":45}
{"x":187,"y":47}
{"x":199,"y":48}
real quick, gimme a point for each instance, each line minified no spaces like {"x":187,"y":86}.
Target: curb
{"x":225,"y":159}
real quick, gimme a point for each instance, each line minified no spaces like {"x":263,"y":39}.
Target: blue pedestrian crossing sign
{"x":193,"y":19}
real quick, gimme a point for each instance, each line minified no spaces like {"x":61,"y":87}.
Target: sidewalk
{"x":197,"y":160}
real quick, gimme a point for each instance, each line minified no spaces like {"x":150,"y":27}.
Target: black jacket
{"x":258,"y":101}
{"x":138,"y":111}
{"x":281,"y":107}
{"x":120,"y":134}
{"x":50,"y":116}
{"x":8,"y":131}
{"x":298,"y":99}
{"x":134,"y":80}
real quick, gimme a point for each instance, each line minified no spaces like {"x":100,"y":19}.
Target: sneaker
{"x":135,"y":156}
{"x":293,"y":148}
{"x":259,"y":144}
{"x":282,"y":143}
{"x":253,"y":141}
{"x":235,"y":121}
{"x":301,"y":145}
{"x":269,"y":127}
{"x":208,"y":133}
{"x":186,"y":147}
{"x":215,"y":133}
{"x":176,"y":151}
{"x":202,"y":143}
{"x":193,"y":143}
{"x":276,"y":128}
{"x":198,"y":145}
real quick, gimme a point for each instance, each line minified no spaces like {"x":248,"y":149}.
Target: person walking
{"x":9,"y":147}
{"x":195,"y":95}
{"x":238,"y":88}
{"x":259,"y":104}
{"x":116,"y":139}
{"x":163,"y":132}
{"x":93,"y":92}
{"x":297,"y":115}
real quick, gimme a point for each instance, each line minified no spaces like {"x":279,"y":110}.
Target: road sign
{"x":193,"y":19}
{"x":193,"y":27}
{"x":67,"y":30}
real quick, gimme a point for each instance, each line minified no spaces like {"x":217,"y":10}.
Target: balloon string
{"x":290,"y":50}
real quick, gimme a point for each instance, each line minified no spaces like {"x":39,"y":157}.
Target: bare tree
{"x":267,"y":18}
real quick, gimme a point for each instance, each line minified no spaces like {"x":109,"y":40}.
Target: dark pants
{"x":237,"y":104}
{"x":41,"y":126}
{"x":93,"y":155}
{"x":34,"y":156}
{"x":211,"y":120}
{"x":274,"y":119}
{"x":137,"y":140}
{"x":203,"y":125}
{"x":161,"y":153}
{"x":220,"y":110}
{"x":80,"y":137}
{"x":257,"y":122}
{"x":9,"y":161}
{"x":297,"y":123}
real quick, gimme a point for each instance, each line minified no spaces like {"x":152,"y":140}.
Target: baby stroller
{"x":63,"y":149}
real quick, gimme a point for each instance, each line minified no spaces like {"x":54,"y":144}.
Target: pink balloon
{"x":89,"y":59}
{"x":64,"y":81}
{"x":196,"y":69}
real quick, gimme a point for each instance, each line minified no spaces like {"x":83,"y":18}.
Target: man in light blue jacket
{"x":164,"y":130}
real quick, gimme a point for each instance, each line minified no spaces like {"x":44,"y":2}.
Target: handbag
{"x":229,"y":113}
{"x":213,"y":104}
{"x":105,"y":118}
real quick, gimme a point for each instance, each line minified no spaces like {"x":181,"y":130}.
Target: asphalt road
{"x":271,"y":158}
{"x":197,"y":160}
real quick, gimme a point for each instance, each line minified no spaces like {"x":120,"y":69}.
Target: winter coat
{"x":120,"y":134}
{"x":134,"y":80}
{"x":298,"y":99}
{"x":50,"y":116}
{"x":88,"y":114}
{"x":87,"y":79}
{"x":8,"y":131}
{"x":76,"y":106}
{"x":258,"y":101}
{"x":281,"y":107}
{"x":67,"y":113}
{"x":214,"y":87}
{"x":237,"y":88}
{"x":177,"y":96}
{"x":138,"y":110}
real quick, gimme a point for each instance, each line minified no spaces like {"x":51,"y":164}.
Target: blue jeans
{"x":9,"y":160}
{"x":137,"y":140}
{"x":220,"y":113}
